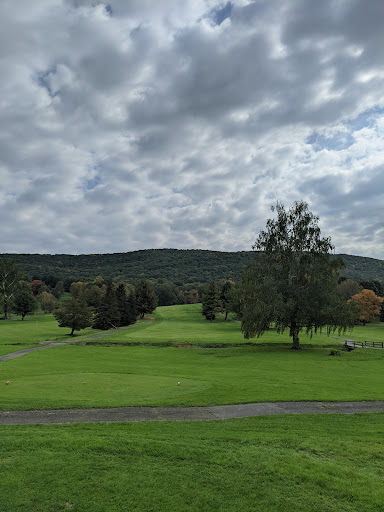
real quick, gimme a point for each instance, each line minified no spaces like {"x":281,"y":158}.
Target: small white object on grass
{"x":178,"y":383}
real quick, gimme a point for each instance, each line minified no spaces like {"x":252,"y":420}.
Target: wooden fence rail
{"x":352,"y":344}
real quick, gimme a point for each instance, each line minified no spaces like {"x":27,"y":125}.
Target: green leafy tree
{"x":166,"y":293}
{"x":48,"y":302}
{"x":24,"y":302}
{"x":211,"y":302}
{"x":347,"y":288}
{"x":58,"y":290}
{"x":293,"y":281}
{"x":93,"y":295}
{"x":77,"y":289}
{"x":146,"y":301}
{"x":10,"y":277}
{"x":108,"y":314}
{"x":74,"y":314}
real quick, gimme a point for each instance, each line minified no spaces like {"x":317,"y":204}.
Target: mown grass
{"x":173,"y":325}
{"x":76,"y":376}
{"x":308,"y":463}
{"x":185,"y":324}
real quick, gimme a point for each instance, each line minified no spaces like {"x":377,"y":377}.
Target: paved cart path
{"x":24,"y":351}
{"x":218,"y":412}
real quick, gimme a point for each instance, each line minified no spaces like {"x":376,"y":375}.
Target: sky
{"x":139,"y":124}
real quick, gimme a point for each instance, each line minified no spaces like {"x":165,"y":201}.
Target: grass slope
{"x":271,"y":464}
{"x":17,"y":334}
{"x":76,"y":376}
{"x":173,"y":325}
{"x":186,"y":324}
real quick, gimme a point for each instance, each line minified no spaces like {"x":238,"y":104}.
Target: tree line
{"x":109,"y":308}
{"x":97,"y":304}
{"x":187,"y":269}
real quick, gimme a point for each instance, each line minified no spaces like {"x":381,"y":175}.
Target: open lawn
{"x":173,"y":325}
{"x":35,"y":328}
{"x":268,"y":464}
{"x":93,"y":376}
{"x":186,"y":324}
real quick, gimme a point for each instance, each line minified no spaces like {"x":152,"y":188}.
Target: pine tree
{"x":107,"y":314}
{"x":146,"y":300}
{"x":123,"y":304}
{"x":226,"y":297}
{"x":211,"y":302}
{"x":132,"y":308}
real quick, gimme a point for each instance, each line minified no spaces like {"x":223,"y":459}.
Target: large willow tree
{"x":293,"y":281}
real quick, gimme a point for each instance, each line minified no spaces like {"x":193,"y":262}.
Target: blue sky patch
{"x":338,"y":142}
{"x":218,"y":15}
{"x":92,"y":182}
{"x":365,"y":119}
{"x":42,"y":78}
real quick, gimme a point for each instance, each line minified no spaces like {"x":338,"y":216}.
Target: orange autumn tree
{"x":367,"y":304}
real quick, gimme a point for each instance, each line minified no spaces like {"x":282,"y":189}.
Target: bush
{"x":335,"y":353}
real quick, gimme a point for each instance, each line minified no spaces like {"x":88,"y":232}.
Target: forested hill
{"x":183,"y":267}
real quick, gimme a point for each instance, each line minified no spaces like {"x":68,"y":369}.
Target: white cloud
{"x":142,"y":124}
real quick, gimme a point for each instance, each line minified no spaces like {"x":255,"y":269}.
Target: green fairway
{"x":269,"y":464}
{"x":173,"y":325}
{"x":186,"y":324}
{"x":76,"y":376}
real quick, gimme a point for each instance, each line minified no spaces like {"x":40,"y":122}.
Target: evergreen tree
{"x":226,"y":297}
{"x":108,"y":314}
{"x":132,"y":308}
{"x":74,"y":314}
{"x":211,"y":302}
{"x":123,"y":305}
{"x":146,"y":300}
{"x":24,"y":302}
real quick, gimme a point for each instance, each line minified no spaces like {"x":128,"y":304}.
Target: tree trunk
{"x":294,"y":332}
{"x":226,"y":315}
{"x":73,"y":330}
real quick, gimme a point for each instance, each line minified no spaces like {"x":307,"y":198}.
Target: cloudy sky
{"x":140,"y":124}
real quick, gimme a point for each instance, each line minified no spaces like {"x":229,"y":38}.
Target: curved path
{"x":217,"y":412}
{"x":24,"y":351}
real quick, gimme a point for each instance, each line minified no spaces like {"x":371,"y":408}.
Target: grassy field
{"x":268,"y":464}
{"x":93,"y":376}
{"x":174,"y":324}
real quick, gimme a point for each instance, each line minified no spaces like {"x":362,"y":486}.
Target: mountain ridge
{"x":184,"y":267}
